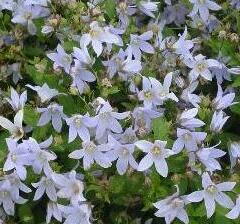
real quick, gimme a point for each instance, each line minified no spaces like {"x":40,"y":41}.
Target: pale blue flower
{"x":123,"y":65}
{"x":172,"y":207}
{"x":80,"y":72}
{"x":183,"y":46}
{"x":53,"y":210}
{"x":69,"y":187}
{"x":127,"y":137}
{"x":77,"y":214}
{"x":235,"y":212}
{"x":16,"y":185}
{"x":203,"y":6}
{"x":219,"y":118}
{"x":124,"y":10}
{"x":7,"y":4}
{"x":37,"y":2}
{"x":24,"y":14}
{"x":175,"y":13}
{"x":156,"y":154}
{"x":143,"y":118}
{"x":44,"y":92}
{"x":213,"y":193}
{"x":18,"y":157}
{"x":79,"y":126}
{"x":200,"y":67}
{"x":54,"y":113}
{"x":7,"y":198}
{"x":189,"y":97}
{"x":17,"y":101}
{"x":107,"y":119}
{"x":14,"y":70}
{"x":61,"y":59}
{"x":91,"y":153}
{"x":139,"y":44}
{"x":123,"y":153}
{"x":208,"y":157}
{"x":40,"y":157}
{"x":45,"y":185}
{"x":97,"y":36}
{"x":187,"y":119}
{"x":15,"y":128}
{"x":188,"y":139}
{"x":223,"y":100}
{"x":154,"y":93}
{"x":147,"y":7}
{"x":234,"y":153}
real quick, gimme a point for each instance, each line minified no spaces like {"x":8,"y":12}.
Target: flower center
{"x":212,"y":189}
{"x":91,"y":147}
{"x":187,"y":136}
{"x":124,"y":151}
{"x":156,"y":150}
{"x":14,"y":157}
{"x":76,"y":187}
{"x":148,"y":95}
{"x":177,"y":202}
{"x":201,"y":66}
{"x":78,"y":121}
{"x":202,"y":1}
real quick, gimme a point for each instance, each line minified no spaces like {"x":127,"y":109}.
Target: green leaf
{"x":110,"y":8}
{"x":161,"y":129}
{"x":31,"y":116}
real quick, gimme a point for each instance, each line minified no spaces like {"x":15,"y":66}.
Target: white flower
{"x":44,"y":92}
{"x":187,"y":119}
{"x":92,"y":152}
{"x":79,"y":126}
{"x":24,"y":14}
{"x":61,"y":59}
{"x":188,"y":139}
{"x":97,"y":36}
{"x":18,"y":157}
{"x":40,"y":157}
{"x":47,"y":185}
{"x":212,"y":192}
{"x":143,"y":117}
{"x":235,"y":212}
{"x":139,"y":44}
{"x":154,"y":93}
{"x":69,"y":187}
{"x":234,"y":153}
{"x":123,"y":153}
{"x":147,"y":7}
{"x":17,"y":101}
{"x":189,"y":97}
{"x":53,"y":210}
{"x":200,"y":67}
{"x":80,"y":71}
{"x":203,"y":6}
{"x":77,"y":214}
{"x":172,"y":207}
{"x":218,"y":120}
{"x":107,"y":119}
{"x":208,"y":157}
{"x":182,"y":46}
{"x":15,"y":129}
{"x":223,"y":100}
{"x":156,"y":153}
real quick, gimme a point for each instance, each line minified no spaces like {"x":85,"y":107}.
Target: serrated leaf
{"x":160,"y":129}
